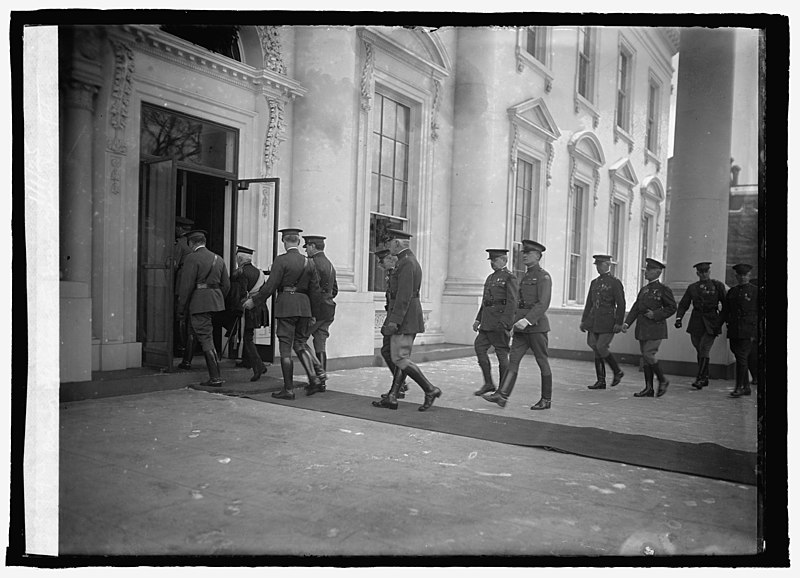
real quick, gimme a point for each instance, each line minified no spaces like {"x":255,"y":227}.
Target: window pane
{"x":574,"y":264}
{"x":385,"y":204}
{"x":375,"y":193}
{"x":389,"y":116}
{"x":400,"y":192}
{"x":400,"y":161}
{"x":403,"y":114}
{"x":387,"y":157}
{"x":377,"y":113}
{"x":376,"y":153}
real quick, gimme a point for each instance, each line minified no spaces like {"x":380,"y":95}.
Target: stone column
{"x":701,"y":162}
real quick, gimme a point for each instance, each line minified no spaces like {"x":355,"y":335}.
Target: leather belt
{"x":207,"y":286}
{"x":494,"y":302}
{"x":289,"y":290}
{"x":414,"y":295}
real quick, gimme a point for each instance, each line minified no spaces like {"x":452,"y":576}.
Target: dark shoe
{"x":541,"y":404}
{"x":648,"y":382}
{"x":617,"y":378}
{"x":212,"y":363}
{"x":500,"y":397}
{"x":386,"y":402}
{"x":485,"y":388}
{"x":646,"y":392}
{"x":283,"y":394}
{"x":662,"y":388}
{"x":258,"y":373}
{"x":497,"y":398}
{"x":389,"y":400}
{"x":184,"y":365}
{"x":315,"y":387}
{"x":600,"y":372}
{"x":213,"y":382}
{"x":429,"y":399}
{"x":597,"y":385}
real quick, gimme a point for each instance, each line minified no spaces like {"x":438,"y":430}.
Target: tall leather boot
{"x":697,"y":383}
{"x":188,"y":353}
{"x":488,"y":384}
{"x":600,"y":371}
{"x":500,"y":397}
{"x":389,"y":401}
{"x":431,"y":391}
{"x":742,"y":384}
{"x":702,"y":378}
{"x":663,"y":382}
{"x":401,"y":393}
{"x":323,"y":360}
{"x":618,"y":373}
{"x":212,"y":363}
{"x":315,"y":384}
{"x":547,"y":392}
{"x":319,"y":368}
{"x":502,"y":361}
{"x":287,"y":370}
{"x":648,"y":383}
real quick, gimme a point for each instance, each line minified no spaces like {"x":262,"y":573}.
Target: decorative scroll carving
{"x":596,"y":175}
{"x":437,"y":89}
{"x":271,"y":48}
{"x":595,"y":121}
{"x":551,"y":152}
{"x":548,"y":85}
{"x":275,"y":131}
{"x":266,"y":202}
{"x":121,"y":89}
{"x":573,"y":170}
{"x":367,"y":77}
{"x":380,"y":317}
{"x":514,"y":148}
{"x":116,"y":176}
{"x":630,"y":204}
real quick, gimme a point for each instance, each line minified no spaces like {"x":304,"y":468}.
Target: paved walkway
{"x":182,"y":472}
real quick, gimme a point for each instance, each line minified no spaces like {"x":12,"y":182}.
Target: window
{"x":526,"y":198}
{"x":536,"y":42}
{"x":624,"y":91}
{"x":217,"y":38}
{"x":389,"y":176}
{"x":653,"y":117}
{"x":647,"y":226}
{"x":586,"y":62}
{"x":615,"y":242}
{"x":576,"y":228}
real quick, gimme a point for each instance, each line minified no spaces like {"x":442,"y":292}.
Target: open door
{"x":155,"y":279}
{"x":266,"y":347}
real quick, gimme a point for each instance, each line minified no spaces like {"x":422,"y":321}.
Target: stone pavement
{"x":187,"y":472}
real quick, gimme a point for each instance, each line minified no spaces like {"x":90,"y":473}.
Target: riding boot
{"x":390,"y":400}
{"x":648,"y":382}
{"x":500,"y":397}
{"x":323,"y":359}
{"x":287,"y":369}
{"x":502,"y":361}
{"x":600,"y":371}
{"x":547,"y":392}
{"x":212,"y":363}
{"x":742,"y":385}
{"x":431,"y":391}
{"x":663,"y":382}
{"x":188,"y":353}
{"x":315,"y":384}
{"x":319,"y":368}
{"x":618,"y":374}
{"x":488,"y":385}
{"x":698,"y":381}
{"x":702,"y":379}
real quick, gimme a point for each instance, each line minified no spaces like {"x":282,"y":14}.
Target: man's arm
{"x":405,"y":289}
{"x":545,"y":289}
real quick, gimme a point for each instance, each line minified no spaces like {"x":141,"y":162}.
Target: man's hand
{"x":649,"y":314}
{"x":624,"y":327}
{"x":678,"y":323}
{"x":248,"y":303}
{"x":582,"y":327}
{"x":476,"y":325}
{"x":617,"y":328}
{"x":389,"y":328}
{"x":522,"y":324}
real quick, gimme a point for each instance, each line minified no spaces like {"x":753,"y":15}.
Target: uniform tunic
{"x":605,"y":308}
{"x":204,"y":285}
{"x":658,"y":298}
{"x":324,"y":306}
{"x":496,"y":316}
{"x":405,"y":309}
{"x":390,"y":283}
{"x":705,"y":322}
{"x":534,"y":299}
{"x":740,"y":313}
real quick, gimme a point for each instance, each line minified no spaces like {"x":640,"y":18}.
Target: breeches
{"x":746,"y":355}
{"x":649,"y":349}
{"x":537,"y":342}
{"x":203,"y":329}
{"x":498,"y":339}
{"x":319,"y":332}
{"x":292,"y":333}
{"x":400,"y":347}
{"x":702,"y":343}
{"x":599,"y":343}
{"x":386,"y":352}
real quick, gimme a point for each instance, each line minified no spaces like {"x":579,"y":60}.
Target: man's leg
{"x":386,"y":353}
{"x":500,"y":340}
{"x":401,"y":345}
{"x":539,"y":347}
{"x":314,"y":371}
{"x":648,"y":359}
{"x":284,"y":331}
{"x":252,"y":353}
{"x":319,"y":334}
{"x":599,"y":366}
{"x":519,"y":347}
{"x":203,"y":328}
{"x":482,"y":345}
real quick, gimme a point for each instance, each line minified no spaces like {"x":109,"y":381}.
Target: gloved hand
{"x":678,"y":324}
{"x":617,"y":328}
{"x":522,"y":324}
{"x":476,"y":325}
{"x":582,"y":327}
{"x":248,"y":303}
{"x":389,"y":328}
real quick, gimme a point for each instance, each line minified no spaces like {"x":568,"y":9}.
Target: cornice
{"x":390,"y":46}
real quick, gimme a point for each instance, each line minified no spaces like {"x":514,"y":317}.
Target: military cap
{"x":312,"y":239}
{"x":742,"y":268}
{"x":245,"y":250}
{"x":528,"y":245}
{"x":398,"y":234}
{"x":183,"y":221}
{"x":601,"y":258}
{"x":381,"y":253}
{"x":290,"y":231}
{"x":653,"y":264}
{"x":494,"y":253}
{"x":702,"y":265}
{"x":196,"y":233}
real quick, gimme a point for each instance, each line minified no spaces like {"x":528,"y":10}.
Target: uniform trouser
{"x":702,"y":343}
{"x":292,"y":333}
{"x":499,"y":339}
{"x":746,"y":358}
{"x":249,"y":348}
{"x":386,"y":353}
{"x":537,"y":342}
{"x":599,"y":343}
{"x":649,"y":348}
{"x":400,"y":345}
{"x":319,"y":332}
{"x":202,"y":328}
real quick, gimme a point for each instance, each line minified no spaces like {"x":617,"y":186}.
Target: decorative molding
{"x":275,"y":134}
{"x":572,"y":171}
{"x":368,"y":77}
{"x":434,"y":63}
{"x":514,"y":147}
{"x":380,"y":317}
{"x":115,"y":178}
{"x":437,"y":97}
{"x":596,"y":184}
{"x":266,"y":202}
{"x":271,"y":48}
{"x":551,"y":151}
{"x":121,"y":89}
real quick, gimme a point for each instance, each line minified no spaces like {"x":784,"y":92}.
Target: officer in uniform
{"x":179,"y":252}
{"x":654,"y":305}
{"x":249,"y":280}
{"x":403,"y":321}
{"x":531,"y":327}
{"x":495,"y":318}
{"x":707,"y":297}
{"x":602,"y":318}
{"x":293,"y":277}
{"x":740,"y":313}
{"x":387,"y":261}
{"x":204,"y":285}
{"x":323,"y":308}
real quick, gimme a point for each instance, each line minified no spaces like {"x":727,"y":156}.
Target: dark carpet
{"x":699,"y":459}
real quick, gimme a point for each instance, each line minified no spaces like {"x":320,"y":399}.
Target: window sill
{"x":622,"y":134}
{"x":524,"y":59}
{"x":650,"y":156}
{"x":582,"y":103}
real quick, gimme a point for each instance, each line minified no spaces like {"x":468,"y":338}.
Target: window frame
{"x":582,"y":250}
{"x":625,"y":133}
{"x":543,"y":67}
{"x":653,"y":154}
{"x":534,"y":203}
{"x":590,"y":101}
